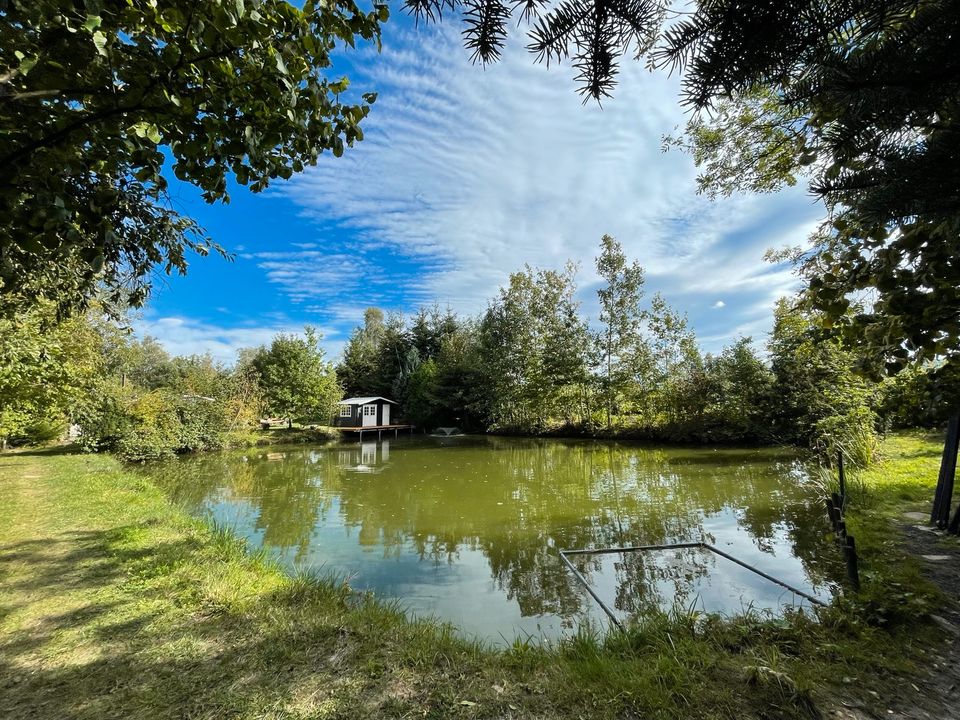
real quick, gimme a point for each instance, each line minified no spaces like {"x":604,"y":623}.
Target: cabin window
{"x":346,"y":411}
{"x":370,"y":410}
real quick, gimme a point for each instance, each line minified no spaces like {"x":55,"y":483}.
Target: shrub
{"x":150,"y":424}
{"x":851,"y":434}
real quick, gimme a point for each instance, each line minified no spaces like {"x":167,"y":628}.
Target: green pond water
{"x":468,"y":529}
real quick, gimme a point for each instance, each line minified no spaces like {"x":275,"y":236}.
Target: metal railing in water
{"x":670,"y":546}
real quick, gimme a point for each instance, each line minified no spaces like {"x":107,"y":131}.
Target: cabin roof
{"x":364,"y":400}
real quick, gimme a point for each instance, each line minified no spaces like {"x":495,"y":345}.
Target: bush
{"x":150,"y":424}
{"x":154,"y":430}
{"x":852,"y":434}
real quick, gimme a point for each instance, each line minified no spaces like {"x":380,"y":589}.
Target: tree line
{"x":857,"y":98}
{"x":88,"y":376}
{"x":532,"y":363}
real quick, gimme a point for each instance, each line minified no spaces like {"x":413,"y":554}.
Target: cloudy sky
{"x":465,"y":175}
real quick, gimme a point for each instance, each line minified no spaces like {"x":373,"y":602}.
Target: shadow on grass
{"x":51,"y":451}
{"x":114,"y":632}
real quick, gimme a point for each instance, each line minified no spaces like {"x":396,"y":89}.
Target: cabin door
{"x":369,"y":415}
{"x":386,"y":415}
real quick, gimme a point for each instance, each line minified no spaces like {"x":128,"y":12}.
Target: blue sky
{"x":466,"y":174}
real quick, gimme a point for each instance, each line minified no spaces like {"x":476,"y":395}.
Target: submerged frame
{"x":671,"y":546}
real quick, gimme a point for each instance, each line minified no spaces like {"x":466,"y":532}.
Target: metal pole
{"x":850,"y":553}
{"x":634,"y":548}
{"x":831,"y":512}
{"x":583,"y":581}
{"x":761,"y":573}
{"x":673,"y":546}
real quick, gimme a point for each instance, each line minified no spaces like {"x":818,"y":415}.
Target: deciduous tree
{"x":621,"y":346}
{"x":97,"y":96}
{"x":297,"y":382}
{"x":858,"y":97}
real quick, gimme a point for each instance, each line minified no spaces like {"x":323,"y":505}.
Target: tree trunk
{"x":609,"y":388}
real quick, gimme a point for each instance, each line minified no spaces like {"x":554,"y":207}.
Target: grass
{"x":114,"y":603}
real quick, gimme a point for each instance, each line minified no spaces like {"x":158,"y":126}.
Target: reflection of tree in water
{"x":286,"y":489}
{"x":517,"y":502}
{"x":641,"y":575}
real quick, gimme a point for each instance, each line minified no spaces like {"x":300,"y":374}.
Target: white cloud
{"x":469,"y":173}
{"x":719,"y":304}
{"x":187,"y":336}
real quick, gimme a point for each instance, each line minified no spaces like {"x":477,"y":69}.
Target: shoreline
{"x":130,"y":593}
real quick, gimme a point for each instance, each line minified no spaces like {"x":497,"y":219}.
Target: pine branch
{"x":486,"y":30}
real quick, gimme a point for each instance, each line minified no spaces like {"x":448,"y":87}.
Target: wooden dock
{"x":379,"y":429}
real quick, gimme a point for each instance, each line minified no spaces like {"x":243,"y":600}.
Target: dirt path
{"x":935,"y":695}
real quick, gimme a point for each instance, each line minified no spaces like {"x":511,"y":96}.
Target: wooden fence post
{"x":843,"y":479}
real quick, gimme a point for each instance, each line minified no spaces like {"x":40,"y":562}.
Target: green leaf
{"x":27,"y":64}
{"x":100,"y":42}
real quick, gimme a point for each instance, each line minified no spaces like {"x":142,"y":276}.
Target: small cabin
{"x":359,"y":412}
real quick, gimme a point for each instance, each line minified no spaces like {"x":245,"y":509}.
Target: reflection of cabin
{"x":366,"y":457}
{"x":362,"y":412}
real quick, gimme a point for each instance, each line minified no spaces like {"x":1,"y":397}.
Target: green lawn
{"x":113,"y":603}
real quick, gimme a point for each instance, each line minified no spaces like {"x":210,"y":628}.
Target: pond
{"x":468,"y":529}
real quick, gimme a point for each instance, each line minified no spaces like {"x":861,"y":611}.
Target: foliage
{"x":131,"y":397}
{"x":359,"y":370}
{"x":859,"y":97}
{"x":96,"y":97}
{"x":909,"y":398}
{"x":534,"y":345}
{"x":738,"y":391}
{"x":195,"y":409}
{"x":821,"y":401}
{"x":46,"y":368}
{"x":621,"y":349}
{"x":596,"y":34}
{"x":297,"y":382}
{"x":530,"y":365}
{"x":422,"y":402}
{"x":869,"y":115}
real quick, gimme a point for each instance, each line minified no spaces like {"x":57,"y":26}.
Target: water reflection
{"x":469,"y":528}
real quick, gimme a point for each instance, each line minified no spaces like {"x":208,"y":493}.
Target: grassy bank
{"x":883,"y":501}
{"x":116,"y":604}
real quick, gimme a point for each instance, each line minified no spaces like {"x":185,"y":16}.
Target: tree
{"x":738,"y":398}
{"x":95,"y":97}
{"x":858,"y":96}
{"x":868,"y":116}
{"x":675,"y":363}
{"x":430,"y":327}
{"x":534,"y":346}
{"x":46,"y":369}
{"x":621,"y":345}
{"x":396,"y":357}
{"x":595,"y":33}
{"x":421,"y":401}
{"x":820,"y":400}
{"x":359,"y":370}
{"x":296,"y":380}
